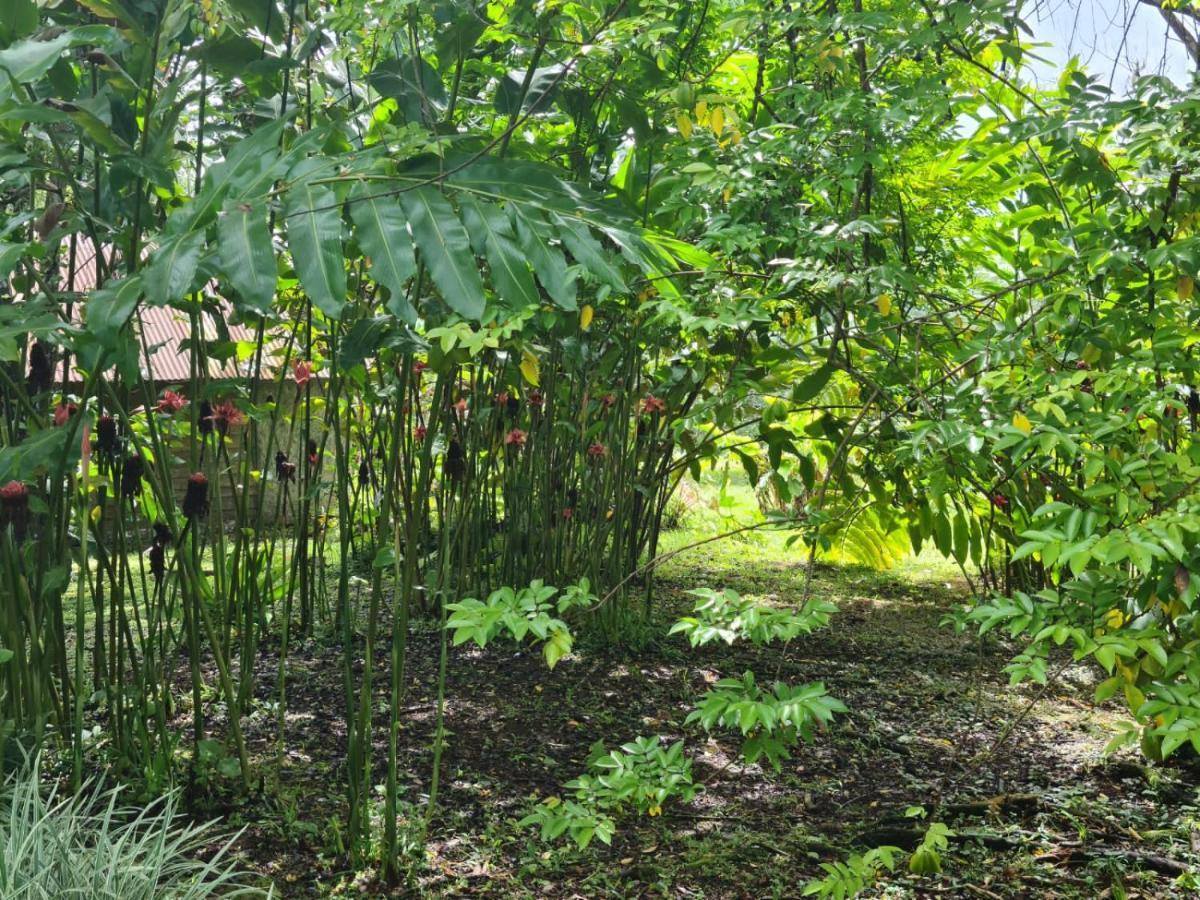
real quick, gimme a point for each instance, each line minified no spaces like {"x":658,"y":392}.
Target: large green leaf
{"x":246,"y":255}
{"x":548,"y":261}
{"x":109,"y":308}
{"x":17,"y":19}
{"x":249,"y":165}
{"x":411,"y":83}
{"x":445,"y":249}
{"x":537,"y":193}
{"x":172,"y":268}
{"x":30,"y":59}
{"x":10,"y":256}
{"x":382,"y":231}
{"x":19,"y":322}
{"x":588,"y":252}
{"x":314,"y":230}
{"x":511,"y":277}
{"x":38,"y":452}
{"x":542,"y":85}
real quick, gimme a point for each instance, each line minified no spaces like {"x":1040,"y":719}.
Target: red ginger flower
{"x":652,"y":404}
{"x":302,"y":371}
{"x":63,"y":413}
{"x":419,"y":433}
{"x":225,"y":415}
{"x":170,"y":403}
{"x":597,"y":451}
{"x":515,"y":438}
{"x":14,"y":492}
{"x":608,"y":401}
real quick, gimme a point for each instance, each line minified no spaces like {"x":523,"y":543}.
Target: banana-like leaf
{"x":172,"y":268}
{"x":314,"y":230}
{"x":445,"y":249}
{"x":246,"y":255}
{"x":382,"y":230}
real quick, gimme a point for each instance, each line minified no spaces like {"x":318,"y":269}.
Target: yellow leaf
{"x":585,"y":316}
{"x":1184,"y":285}
{"x":701,"y":111}
{"x":726,"y":194}
{"x":1114,"y":618}
{"x":1021,"y":423}
{"x":885,"y":304}
{"x":735,"y":136}
{"x":684,"y":123}
{"x":716,"y":121}
{"x":655,"y":810}
{"x":530,"y":368}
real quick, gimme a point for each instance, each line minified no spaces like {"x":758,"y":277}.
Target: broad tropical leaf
{"x":548,"y":261}
{"x":314,"y":229}
{"x":246,"y":255}
{"x":173,"y":267}
{"x":445,"y":249}
{"x":30,"y":59}
{"x":109,"y":308}
{"x":510,"y":272}
{"x":382,"y":230}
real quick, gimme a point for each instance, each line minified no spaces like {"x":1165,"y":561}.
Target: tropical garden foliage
{"x":516,"y":274}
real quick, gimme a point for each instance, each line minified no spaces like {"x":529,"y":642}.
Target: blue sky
{"x":1113,"y":38}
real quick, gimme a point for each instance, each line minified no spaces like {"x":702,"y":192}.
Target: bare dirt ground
{"x":1017,"y":773}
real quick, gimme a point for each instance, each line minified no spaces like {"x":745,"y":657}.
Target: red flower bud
{"x":132,"y":473}
{"x":157,"y":558}
{"x":14,"y":508}
{"x":106,"y":435}
{"x":195,"y":500}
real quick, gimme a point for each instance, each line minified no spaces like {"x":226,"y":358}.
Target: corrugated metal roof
{"x":164,"y":329}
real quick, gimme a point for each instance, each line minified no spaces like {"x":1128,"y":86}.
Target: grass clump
{"x":93,"y":846}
